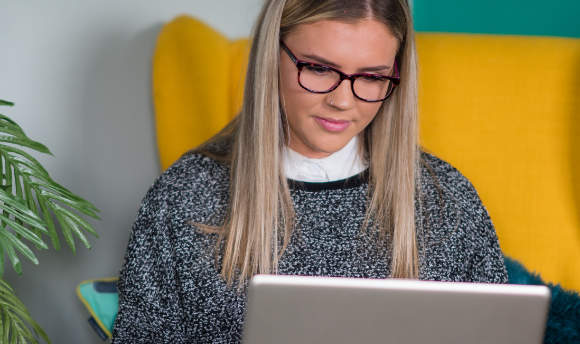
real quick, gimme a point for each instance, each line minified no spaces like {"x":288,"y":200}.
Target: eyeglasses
{"x":319,"y":78}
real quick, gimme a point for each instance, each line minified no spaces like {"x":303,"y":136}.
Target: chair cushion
{"x":101,"y":298}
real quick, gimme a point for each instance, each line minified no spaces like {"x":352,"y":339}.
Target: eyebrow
{"x":331,"y":64}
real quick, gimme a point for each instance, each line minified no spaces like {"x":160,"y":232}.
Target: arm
{"x":487,"y":264}
{"x":459,"y":207}
{"x":149,"y":304}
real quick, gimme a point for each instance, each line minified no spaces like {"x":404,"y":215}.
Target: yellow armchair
{"x":505,"y":110}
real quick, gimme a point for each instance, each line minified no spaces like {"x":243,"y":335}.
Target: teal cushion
{"x":563,"y":324}
{"x":101,"y":299}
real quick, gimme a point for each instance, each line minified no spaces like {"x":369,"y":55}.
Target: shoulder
{"x":193,"y":169}
{"x":193,"y":190}
{"x":440,"y":179}
{"x":450,"y":201}
{"x":436,"y":171}
{"x":192,"y":187}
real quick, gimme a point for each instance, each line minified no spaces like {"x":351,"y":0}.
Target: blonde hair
{"x":260,"y":218}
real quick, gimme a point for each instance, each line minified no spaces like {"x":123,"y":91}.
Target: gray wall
{"x":80,"y":73}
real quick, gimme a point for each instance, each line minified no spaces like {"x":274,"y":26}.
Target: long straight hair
{"x":260,"y":218}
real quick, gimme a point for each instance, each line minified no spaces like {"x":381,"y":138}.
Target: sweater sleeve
{"x":456,"y":208}
{"x":487,"y":264}
{"x":150,"y":310}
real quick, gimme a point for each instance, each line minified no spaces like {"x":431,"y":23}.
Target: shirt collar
{"x":342,"y":164}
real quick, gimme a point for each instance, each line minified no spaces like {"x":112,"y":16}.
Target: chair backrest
{"x":198,"y":77}
{"x":504,"y":110}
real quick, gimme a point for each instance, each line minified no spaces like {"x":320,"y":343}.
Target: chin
{"x":329,"y":147}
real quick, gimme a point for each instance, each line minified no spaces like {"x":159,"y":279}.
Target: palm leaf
{"x":17,"y":326}
{"x":25,"y":159}
{"x":26,"y":183}
{"x":9,"y":249}
{"x":24,"y":142}
{"x":15,"y":135}
{"x":17,"y":208}
{"x":1,"y":260}
{"x":30,"y":202}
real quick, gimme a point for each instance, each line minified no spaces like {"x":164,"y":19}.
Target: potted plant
{"x":33,"y":209}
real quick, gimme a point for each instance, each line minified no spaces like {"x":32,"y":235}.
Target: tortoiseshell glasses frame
{"x":300,"y":64}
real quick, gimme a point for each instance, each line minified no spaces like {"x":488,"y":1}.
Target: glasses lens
{"x":318,"y":78}
{"x":372,"y":88}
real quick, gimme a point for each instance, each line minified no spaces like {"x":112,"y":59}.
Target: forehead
{"x":354,"y":44}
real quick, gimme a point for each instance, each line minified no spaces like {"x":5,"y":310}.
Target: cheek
{"x":297,"y":101}
{"x":286,"y":79}
{"x":369,"y":112}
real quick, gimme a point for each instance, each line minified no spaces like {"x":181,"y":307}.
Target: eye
{"x":317,"y":69}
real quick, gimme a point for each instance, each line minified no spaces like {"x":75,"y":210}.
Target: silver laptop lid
{"x":329,"y":310}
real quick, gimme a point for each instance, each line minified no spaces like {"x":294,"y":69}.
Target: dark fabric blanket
{"x":563,"y":324}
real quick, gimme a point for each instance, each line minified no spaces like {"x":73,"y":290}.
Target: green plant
{"x":32,"y":208}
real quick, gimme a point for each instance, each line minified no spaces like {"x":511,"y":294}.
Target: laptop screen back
{"x":328,"y":310}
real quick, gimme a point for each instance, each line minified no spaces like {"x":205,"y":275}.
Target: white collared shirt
{"x":342,"y":164}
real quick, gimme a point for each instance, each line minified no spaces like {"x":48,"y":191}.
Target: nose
{"x":341,"y":97}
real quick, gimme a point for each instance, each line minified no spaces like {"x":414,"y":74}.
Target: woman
{"x":320,"y":174}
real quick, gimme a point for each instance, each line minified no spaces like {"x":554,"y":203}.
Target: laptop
{"x":332,"y":310}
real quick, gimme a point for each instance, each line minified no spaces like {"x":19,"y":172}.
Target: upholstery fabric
{"x":101,"y":298}
{"x":197,"y":84}
{"x":563,"y":324}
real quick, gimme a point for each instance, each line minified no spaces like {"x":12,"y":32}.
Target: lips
{"x":332,"y":125}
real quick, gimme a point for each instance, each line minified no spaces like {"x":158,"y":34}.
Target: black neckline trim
{"x":348,"y":183}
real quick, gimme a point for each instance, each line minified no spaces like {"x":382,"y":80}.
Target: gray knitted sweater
{"x":171,"y":292}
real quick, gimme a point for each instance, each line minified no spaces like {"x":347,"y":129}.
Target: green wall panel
{"x":513,"y":17}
